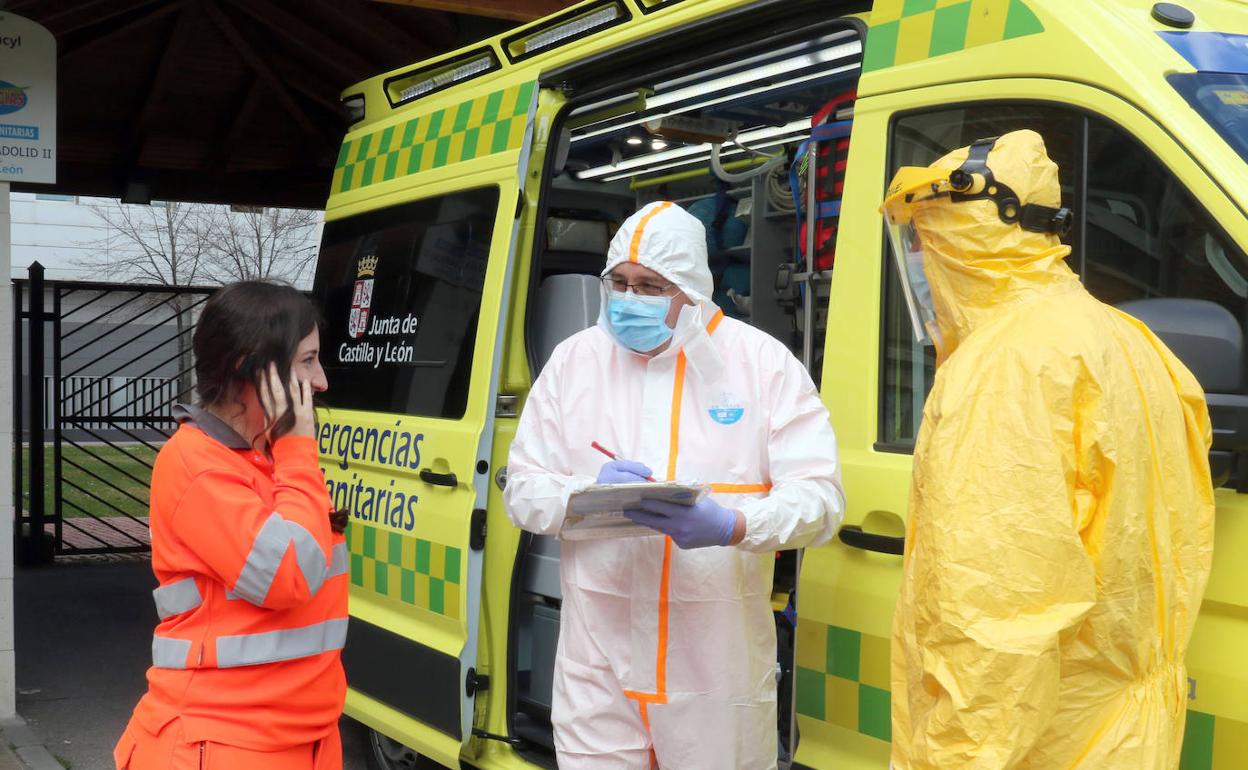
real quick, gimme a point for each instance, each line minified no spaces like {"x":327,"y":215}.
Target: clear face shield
{"x":907,"y":247}
{"x":908,"y":262}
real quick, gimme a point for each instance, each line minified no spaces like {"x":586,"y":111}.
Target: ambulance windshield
{"x":1221,"y":98}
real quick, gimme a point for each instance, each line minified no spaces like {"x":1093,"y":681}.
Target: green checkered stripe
{"x":473,"y":129}
{"x":843,"y":678}
{"x":407,"y":569}
{"x":1214,"y":743}
{"x":904,"y":31}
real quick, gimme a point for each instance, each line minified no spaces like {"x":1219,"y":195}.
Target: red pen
{"x":611,"y":454}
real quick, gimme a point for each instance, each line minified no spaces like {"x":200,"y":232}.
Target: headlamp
{"x":974,"y":180}
{"x":971,"y":181}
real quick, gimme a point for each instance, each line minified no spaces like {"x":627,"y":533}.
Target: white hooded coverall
{"x":666,"y":650}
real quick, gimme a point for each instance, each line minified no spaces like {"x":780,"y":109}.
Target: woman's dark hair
{"x":243,"y":328}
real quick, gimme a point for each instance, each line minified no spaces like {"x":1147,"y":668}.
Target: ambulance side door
{"x":413,"y":278}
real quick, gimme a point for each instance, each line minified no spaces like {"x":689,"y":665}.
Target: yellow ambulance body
{"x":469,"y":213}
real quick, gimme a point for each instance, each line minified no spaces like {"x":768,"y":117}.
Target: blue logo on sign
{"x":727,"y":409}
{"x":12,"y":98}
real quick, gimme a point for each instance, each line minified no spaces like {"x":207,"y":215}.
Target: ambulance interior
{"x":719,"y":138}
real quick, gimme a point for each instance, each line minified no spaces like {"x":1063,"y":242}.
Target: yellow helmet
{"x":911,"y":184}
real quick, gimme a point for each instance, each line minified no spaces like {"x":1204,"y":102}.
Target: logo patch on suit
{"x":726,"y":409}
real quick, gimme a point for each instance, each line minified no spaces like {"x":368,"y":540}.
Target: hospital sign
{"x":27,"y":101}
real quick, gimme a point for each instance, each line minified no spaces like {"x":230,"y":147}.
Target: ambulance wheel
{"x":387,"y":754}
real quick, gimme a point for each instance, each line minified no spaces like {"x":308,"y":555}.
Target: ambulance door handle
{"x":852,"y":535}
{"x":438,"y":479}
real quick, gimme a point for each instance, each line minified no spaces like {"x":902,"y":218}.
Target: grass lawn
{"x":98,"y":479}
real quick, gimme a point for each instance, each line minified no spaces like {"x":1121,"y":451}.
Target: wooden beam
{"x":291,"y":186}
{"x":324,"y":93}
{"x":392,"y":53}
{"x":511,"y":10}
{"x":160,"y":77}
{"x":89,"y":14}
{"x":321,"y":47}
{"x":432,"y":34}
{"x":149,"y":92}
{"x":262,"y":69}
{"x":164,"y":71}
{"x":16,"y":6}
{"x":239,"y":120}
{"x":435,"y":29}
{"x":67,"y":54}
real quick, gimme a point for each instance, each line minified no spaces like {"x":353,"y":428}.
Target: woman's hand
{"x":298,"y":398}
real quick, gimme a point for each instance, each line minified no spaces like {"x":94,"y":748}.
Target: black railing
{"x":119,"y":358}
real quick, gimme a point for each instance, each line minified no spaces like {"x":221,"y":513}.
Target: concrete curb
{"x":30,"y":749}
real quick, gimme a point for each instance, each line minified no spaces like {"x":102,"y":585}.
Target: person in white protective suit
{"x":667,"y":649}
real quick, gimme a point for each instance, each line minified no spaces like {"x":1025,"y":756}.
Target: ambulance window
{"x":1147,"y":236}
{"x":918,"y":139}
{"x":400,"y":293}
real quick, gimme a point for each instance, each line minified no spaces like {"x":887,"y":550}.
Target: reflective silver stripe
{"x":176,"y":598}
{"x":338,"y":561}
{"x":267,"y":551}
{"x":289,"y":644}
{"x":170,"y":653}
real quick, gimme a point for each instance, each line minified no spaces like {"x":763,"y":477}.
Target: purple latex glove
{"x":623,"y":472}
{"x":703,"y":524}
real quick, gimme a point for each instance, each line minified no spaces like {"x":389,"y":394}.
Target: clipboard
{"x":598,"y":510}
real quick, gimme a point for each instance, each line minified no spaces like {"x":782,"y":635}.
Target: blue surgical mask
{"x":640,"y":323}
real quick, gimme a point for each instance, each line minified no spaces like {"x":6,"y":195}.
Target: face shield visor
{"x":910,"y":186}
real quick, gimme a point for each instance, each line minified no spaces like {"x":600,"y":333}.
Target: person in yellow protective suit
{"x":667,"y":645}
{"x":1061,"y":514}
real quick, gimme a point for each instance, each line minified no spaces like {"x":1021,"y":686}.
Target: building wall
{"x":54,"y":230}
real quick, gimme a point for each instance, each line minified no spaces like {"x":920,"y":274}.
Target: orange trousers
{"x":140,"y":750}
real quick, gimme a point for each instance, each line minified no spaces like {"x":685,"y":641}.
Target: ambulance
{"x":469,"y":215}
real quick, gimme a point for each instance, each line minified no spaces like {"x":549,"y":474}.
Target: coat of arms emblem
{"x":362,"y":297}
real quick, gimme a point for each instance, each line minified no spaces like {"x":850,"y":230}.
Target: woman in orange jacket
{"x":249,"y":554}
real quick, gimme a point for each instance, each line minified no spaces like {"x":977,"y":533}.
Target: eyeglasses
{"x":647,"y":289}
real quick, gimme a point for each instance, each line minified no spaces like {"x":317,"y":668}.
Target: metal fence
{"x":111,"y":400}
{"x":119,"y":357}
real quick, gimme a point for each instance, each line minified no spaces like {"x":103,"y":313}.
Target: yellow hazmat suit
{"x":1061,"y":513}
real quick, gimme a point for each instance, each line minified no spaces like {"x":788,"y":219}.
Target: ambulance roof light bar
{"x":565,"y":28}
{"x":412,"y":85}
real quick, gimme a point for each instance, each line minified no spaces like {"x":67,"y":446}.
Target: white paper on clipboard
{"x":598,"y":511}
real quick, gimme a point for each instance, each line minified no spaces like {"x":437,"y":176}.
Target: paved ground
{"x":83,"y":633}
{"x":86,"y":532}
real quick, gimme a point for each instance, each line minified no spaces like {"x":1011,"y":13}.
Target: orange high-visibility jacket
{"x":253,"y":591}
